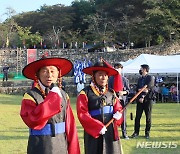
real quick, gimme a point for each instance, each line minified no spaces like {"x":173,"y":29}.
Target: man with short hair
{"x":144,"y":100}
{"x":122,"y":95}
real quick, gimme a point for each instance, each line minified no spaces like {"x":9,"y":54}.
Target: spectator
{"x":173,"y":92}
{"x":122,"y":94}
{"x":165,"y":93}
{"x":144,"y":100}
{"x":5,"y":72}
{"x":157,"y":91}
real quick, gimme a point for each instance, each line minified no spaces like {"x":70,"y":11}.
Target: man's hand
{"x":141,"y":100}
{"x":103,"y":131}
{"x":117,"y":115}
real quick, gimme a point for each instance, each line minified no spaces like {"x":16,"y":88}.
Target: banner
{"x":31,"y":55}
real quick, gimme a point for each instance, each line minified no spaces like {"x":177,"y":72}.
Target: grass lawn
{"x":165,"y":132}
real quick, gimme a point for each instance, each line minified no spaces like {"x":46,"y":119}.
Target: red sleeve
{"x":71,"y":132}
{"x":36,"y":116}
{"x":90,"y":125}
{"x":118,"y":107}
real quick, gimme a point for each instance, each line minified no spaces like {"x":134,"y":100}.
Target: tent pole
{"x":177,"y":89}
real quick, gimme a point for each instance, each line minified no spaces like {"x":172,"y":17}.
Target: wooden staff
{"x":132,"y":99}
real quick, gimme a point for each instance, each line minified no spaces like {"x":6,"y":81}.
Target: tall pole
{"x":17,"y":63}
{"x":177,"y":89}
{"x":132,"y":99}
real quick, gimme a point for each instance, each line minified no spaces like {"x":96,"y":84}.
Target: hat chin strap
{"x":99,"y":88}
{"x":95,"y":83}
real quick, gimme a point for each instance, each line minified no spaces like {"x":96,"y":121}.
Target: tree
{"x":10,"y":24}
{"x":162,"y":18}
{"x":82,"y":9}
{"x":27,"y":38}
{"x":46,"y":17}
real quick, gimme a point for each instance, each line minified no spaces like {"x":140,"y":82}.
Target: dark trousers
{"x":5,"y":77}
{"x":123,"y":125}
{"x":147,"y":108}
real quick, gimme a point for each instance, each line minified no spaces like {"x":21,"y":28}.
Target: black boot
{"x":147,"y":135}
{"x":134,"y":135}
{"x":124,"y":135}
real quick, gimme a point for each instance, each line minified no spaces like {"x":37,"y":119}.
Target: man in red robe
{"x":96,"y":106}
{"x":46,"y":109}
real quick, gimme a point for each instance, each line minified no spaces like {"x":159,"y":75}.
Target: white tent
{"x":157,"y":64}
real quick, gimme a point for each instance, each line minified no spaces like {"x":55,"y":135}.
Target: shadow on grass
{"x":166,"y":125}
{"x":166,"y":130}
{"x":3,"y":137}
{"x":9,"y":102}
{"x":16,"y":131}
{"x":165,"y":138}
{"x":156,"y":138}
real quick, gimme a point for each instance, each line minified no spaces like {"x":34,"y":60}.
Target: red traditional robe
{"x":36,"y":117}
{"x":93,"y":126}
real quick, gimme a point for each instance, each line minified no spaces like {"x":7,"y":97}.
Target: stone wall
{"x":19,"y":87}
{"x":17,"y":59}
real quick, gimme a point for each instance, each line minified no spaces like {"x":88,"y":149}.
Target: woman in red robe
{"x":96,"y":106}
{"x":46,"y":109}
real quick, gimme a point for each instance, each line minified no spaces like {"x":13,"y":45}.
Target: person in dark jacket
{"x":144,"y":100}
{"x":46,"y":109}
{"x":96,"y":106}
{"x":5,"y":72}
{"x":122,"y":95}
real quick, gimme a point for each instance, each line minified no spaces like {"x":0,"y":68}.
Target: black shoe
{"x":126,"y":137}
{"x":134,"y":135}
{"x":147,"y":136}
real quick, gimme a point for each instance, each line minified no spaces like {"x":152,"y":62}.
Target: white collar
{"x":41,"y":85}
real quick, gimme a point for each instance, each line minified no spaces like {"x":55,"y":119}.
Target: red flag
{"x":31,"y":55}
{"x":118,"y":83}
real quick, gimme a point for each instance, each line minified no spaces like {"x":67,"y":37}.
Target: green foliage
{"x":160,"y":39}
{"x":139,"y":21}
{"x":162,"y":18}
{"x":26,"y":37}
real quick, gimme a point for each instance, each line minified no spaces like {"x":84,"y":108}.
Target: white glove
{"x":56,"y":90}
{"x":103,"y":131}
{"x":117,"y":115}
{"x":141,"y":100}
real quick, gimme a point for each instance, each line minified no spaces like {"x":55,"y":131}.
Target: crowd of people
{"x":166,"y":93}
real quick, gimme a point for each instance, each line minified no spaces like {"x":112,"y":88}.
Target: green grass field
{"x":165,"y":132}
